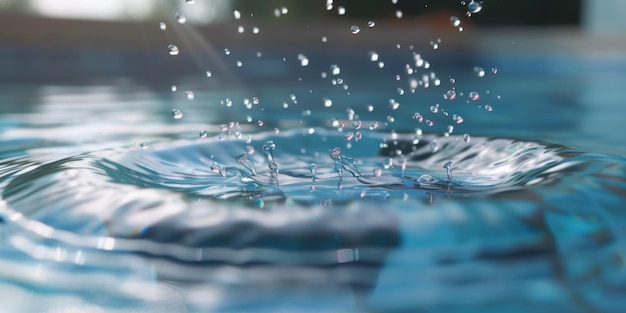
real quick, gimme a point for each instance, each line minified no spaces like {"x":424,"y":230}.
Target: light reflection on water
{"x":100,"y":183}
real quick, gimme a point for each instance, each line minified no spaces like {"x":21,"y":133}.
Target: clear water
{"x":127,"y":196}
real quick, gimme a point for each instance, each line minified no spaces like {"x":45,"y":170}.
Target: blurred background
{"x":45,"y":39}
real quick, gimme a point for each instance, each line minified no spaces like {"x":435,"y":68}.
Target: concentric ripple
{"x":198,"y":214}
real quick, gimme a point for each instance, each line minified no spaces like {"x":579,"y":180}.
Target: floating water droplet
{"x":399,"y":14}
{"x":373,"y":56}
{"x":341,"y":10}
{"x":237,"y":14}
{"x":173,"y":50}
{"x":241,"y":29}
{"x":381,"y":64}
{"x":466,"y":137}
{"x":255,"y":30}
{"x":494,"y":70}
{"x":227,"y":51}
{"x":474,"y":96}
{"x":450,"y":94}
{"x":162,"y":26}
{"x":488,"y":108}
{"x":348,"y":136}
{"x":177,"y":114}
{"x":455,"y":21}
{"x":181,"y":18}
{"x":474,"y":7}
{"x":371,"y":24}
{"x":355,"y":29}
{"x":143,"y":145}
{"x":479,"y":71}
{"x":284,"y":10}
{"x":260,"y":123}
{"x":174,"y":88}
{"x":434,"y":146}
{"x":335,"y":70}
{"x":304,"y":61}
{"x":374,"y":125}
{"x":203,"y":133}
{"x":324,"y":39}
{"x":434,"y":108}
{"x":327,"y":102}
{"x":370,"y":108}
{"x":457,"y":118}
{"x":190,"y":95}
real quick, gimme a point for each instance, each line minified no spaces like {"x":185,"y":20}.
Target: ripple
{"x":133,"y":214}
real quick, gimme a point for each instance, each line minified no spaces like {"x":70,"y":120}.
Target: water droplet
{"x":143,"y":145}
{"x":374,"y":125}
{"x":227,"y":51}
{"x":260,"y":123}
{"x":328,"y":103}
{"x":190,"y":1}
{"x":335,"y":70}
{"x":355,"y":29}
{"x":341,"y":10}
{"x":381,"y":64}
{"x":348,"y":136}
{"x":479,"y":71}
{"x":474,"y":96}
{"x":203,"y":133}
{"x":450,"y":129}
{"x":455,"y":21}
{"x":457,"y":118}
{"x":284,"y":10}
{"x":255,"y":30}
{"x":494,"y":70}
{"x":474,"y":7}
{"x":313,"y":167}
{"x":335,"y":153}
{"x":434,"y":108}
{"x":177,"y":114}
{"x":371,"y":24}
{"x":357,"y":124}
{"x":190,"y":95}
{"x":488,"y":108}
{"x":370,"y":108}
{"x":304,"y":61}
{"x":399,"y":14}
{"x":239,"y":64}
{"x":181,"y":18}
{"x":173,"y":50}
{"x":241,"y":29}
{"x":450,"y":94}
{"x":434,"y":146}
{"x":174,"y":88}
{"x":324,"y":39}
{"x":373,"y":56}
{"x":237,"y":14}
{"x":466,"y":137}
{"x":162,"y":26}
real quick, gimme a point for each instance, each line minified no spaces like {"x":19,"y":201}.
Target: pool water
{"x":110,"y":204}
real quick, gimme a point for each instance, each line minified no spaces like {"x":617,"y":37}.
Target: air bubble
{"x":173,"y":50}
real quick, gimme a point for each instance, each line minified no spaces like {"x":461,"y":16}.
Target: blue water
{"x":111,"y":205}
